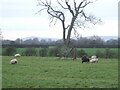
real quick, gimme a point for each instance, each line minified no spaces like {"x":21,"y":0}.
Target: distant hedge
{"x":55,"y":52}
{"x":30,"y":52}
{"x":9,"y":51}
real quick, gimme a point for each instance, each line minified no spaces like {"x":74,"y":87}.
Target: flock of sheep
{"x":93,"y":59}
{"x":14,"y":61}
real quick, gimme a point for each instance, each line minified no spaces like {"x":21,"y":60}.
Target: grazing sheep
{"x":85,"y":59}
{"x":13,"y":61}
{"x":17,"y":55}
{"x":94,"y":59}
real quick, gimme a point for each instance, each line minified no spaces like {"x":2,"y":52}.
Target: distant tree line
{"x":56,"y":51}
{"x":82,"y":42}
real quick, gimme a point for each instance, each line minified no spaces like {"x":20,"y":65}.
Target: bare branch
{"x":86,"y":18}
{"x":40,"y":10}
{"x":76,"y":33}
{"x":51,"y":11}
{"x":80,"y":5}
{"x":69,"y":8}
{"x":56,"y":14}
{"x":75,"y":5}
{"x":52,"y":14}
{"x":42,"y":3}
{"x":61,"y":5}
{"x":47,"y":2}
{"x":51,"y":20}
{"x":86,"y":3}
{"x":67,"y":27}
{"x":55,"y":21}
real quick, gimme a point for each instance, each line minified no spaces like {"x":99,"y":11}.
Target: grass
{"x":0,"y":72}
{"x":51,"y":72}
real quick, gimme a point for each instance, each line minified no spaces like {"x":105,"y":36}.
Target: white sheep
{"x":17,"y":55}
{"x":93,"y":59}
{"x":13,"y":61}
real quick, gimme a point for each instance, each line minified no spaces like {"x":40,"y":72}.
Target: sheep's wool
{"x":17,"y":55}
{"x":13,"y":61}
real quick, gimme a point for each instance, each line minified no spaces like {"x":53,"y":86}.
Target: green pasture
{"x":92,"y":51}
{"x":52,"y":72}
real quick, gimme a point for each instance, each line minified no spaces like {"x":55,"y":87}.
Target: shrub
{"x":81,"y":53}
{"x":113,"y":54}
{"x":43,"y":52}
{"x":99,"y":54}
{"x":54,"y":51}
{"x":9,"y":51}
{"x":110,"y":54}
{"x":30,"y":52}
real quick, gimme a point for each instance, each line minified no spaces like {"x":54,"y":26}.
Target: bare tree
{"x":72,"y":9}
{"x":78,"y":19}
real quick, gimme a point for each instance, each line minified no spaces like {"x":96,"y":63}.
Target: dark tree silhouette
{"x":71,"y":9}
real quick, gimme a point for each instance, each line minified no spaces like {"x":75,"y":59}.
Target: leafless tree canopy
{"x":68,"y":8}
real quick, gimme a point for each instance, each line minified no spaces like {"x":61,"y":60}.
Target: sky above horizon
{"x":18,"y":20}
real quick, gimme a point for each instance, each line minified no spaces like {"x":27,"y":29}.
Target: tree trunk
{"x":75,"y":54}
{"x":64,"y":31}
{"x":67,"y":40}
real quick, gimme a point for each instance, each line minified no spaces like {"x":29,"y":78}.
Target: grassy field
{"x":51,"y":72}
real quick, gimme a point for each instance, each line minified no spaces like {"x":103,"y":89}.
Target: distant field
{"x":92,"y":51}
{"x":51,"y":72}
{"x":89,"y":51}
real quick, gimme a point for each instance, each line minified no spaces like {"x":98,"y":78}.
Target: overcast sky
{"x":18,"y":20}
